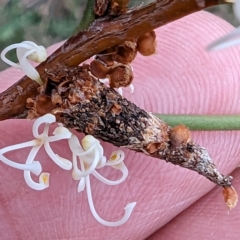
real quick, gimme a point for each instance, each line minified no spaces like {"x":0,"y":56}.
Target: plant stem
{"x":203,"y":122}
{"x":88,"y":17}
{"x":104,"y":114}
{"x":102,"y":34}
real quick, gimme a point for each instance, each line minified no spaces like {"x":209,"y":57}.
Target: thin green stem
{"x":203,"y":122}
{"x":88,"y":17}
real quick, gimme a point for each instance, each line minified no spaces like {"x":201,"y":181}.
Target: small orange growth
{"x":98,"y":69}
{"x":230,"y":197}
{"x":180,"y":134}
{"x":120,"y":76}
{"x":126,"y":52}
{"x":107,"y":59}
{"x":146,"y":43}
{"x":153,"y":147}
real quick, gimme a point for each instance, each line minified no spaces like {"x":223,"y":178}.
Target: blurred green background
{"x":49,"y":21}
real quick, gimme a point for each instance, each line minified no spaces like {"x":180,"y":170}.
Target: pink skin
{"x":181,"y":78}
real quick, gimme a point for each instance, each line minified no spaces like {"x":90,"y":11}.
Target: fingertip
{"x":173,"y":80}
{"x":210,"y":209}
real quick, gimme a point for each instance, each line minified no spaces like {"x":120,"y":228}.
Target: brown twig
{"x":103,"y":33}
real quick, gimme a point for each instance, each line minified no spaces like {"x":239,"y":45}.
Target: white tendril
{"x":90,"y":156}
{"x":87,"y":157}
{"x":26,"y":50}
{"x":43,"y":139}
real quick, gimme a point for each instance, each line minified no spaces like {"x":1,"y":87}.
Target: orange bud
{"x":126,"y":52}
{"x":230,"y":197}
{"x":107,"y":59}
{"x":146,"y":43}
{"x":98,"y":69}
{"x":180,"y":134}
{"x":153,"y":147}
{"x":120,"y":76}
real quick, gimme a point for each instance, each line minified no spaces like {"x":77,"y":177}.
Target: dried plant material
{"x":116,"y":109}
{"x":146,"y":43}
{"x":98,"y":69}
{"x":120,"y":76}
{"x":117,"y":7}
{"x":153,"y":147}
{"x":30,"y":103}
{"x":63,"y":87}
{"x":123,"y":53}
{"x":107,"y":59}
{"x":180,"y":134}
{"x":96,"y":113}
{"x":100,"y":7}
{"x":230,"y":197}
{"x":75,"y":96}
{"x":44,"y":105}
{"x":56,"y":98}
{"x":112,"y":66}
{"x":126,"y":52}
{"x":113,"y":8}
{"x":55,"y":77}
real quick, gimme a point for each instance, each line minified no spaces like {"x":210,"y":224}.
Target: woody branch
{"x":103,"y":33}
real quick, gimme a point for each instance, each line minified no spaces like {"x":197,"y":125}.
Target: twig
{"x":103,"y":33}
{"x":81,"y":102}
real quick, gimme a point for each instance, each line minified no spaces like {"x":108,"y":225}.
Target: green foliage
{"x":44,"y":22}
{"x":13,"y":24}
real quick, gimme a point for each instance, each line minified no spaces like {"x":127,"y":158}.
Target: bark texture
{"x":81,"y":102}
{"x":102,"y":34}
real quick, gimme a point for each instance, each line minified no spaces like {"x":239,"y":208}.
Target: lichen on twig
{"x":90,"y":107}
